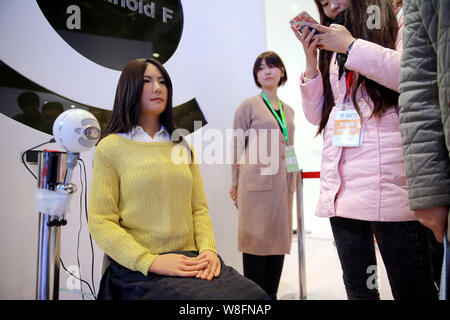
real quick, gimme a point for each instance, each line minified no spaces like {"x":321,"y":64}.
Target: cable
{"x":25,"y":152}
{"x":87,"y":221}
{"x":83,"y":190}
{"x":79,"y":229}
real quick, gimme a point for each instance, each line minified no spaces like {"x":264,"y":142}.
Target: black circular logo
{"x":113,"y":32}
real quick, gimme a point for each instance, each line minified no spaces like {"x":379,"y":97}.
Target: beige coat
{"x":264,"y":200}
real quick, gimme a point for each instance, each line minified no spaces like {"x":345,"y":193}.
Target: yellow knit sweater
{"x":143,"y":204}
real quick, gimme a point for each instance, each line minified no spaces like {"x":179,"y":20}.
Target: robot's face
{"x":76,"y":130}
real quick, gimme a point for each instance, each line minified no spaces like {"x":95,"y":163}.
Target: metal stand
{"x":301,"y":238}
{"x":55,"y":171}
{"x":52,"y":171}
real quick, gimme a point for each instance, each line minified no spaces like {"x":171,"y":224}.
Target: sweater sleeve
{"x":427,"y":162}
{"x":203,"y":227}
{"x":376,"y":62}
{"x":312,"y":98}
{"x":104,"y":219}
{"x":241,"y":124}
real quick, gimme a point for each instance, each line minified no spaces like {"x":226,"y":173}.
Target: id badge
{"x":291,"y":159}
{"x":347,"y":127}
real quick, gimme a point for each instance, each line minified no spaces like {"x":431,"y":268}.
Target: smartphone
{"x":300,"y":20}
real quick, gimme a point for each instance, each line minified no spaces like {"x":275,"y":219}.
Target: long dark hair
{"x":356,"y":17}
{"x":125,"y":113}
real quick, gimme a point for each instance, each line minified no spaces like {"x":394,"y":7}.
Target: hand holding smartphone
{"x":309,"y":41}
{"x":300,"y":21}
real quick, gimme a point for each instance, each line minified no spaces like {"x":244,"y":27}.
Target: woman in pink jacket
{"x":352,"y":95}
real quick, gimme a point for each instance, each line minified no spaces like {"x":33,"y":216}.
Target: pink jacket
{"x":366,"y":182}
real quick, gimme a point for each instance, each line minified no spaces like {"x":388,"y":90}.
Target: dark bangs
{"x":272,"y":59}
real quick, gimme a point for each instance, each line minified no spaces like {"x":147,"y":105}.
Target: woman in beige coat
{"x":262,"y":183}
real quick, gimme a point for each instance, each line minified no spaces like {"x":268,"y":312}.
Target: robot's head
{"x":76,"y":130}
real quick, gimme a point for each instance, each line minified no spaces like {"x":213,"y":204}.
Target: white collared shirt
{"x":138,"y":134}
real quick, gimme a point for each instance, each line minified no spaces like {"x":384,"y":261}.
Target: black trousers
{"x":265,"y":271}
{"x":405,"y":251}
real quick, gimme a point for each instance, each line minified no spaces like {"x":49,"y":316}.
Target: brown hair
{"x":356,"y":17}
{"x":272,"y":59}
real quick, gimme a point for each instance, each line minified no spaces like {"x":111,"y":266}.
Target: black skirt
{"x":120,"y":283}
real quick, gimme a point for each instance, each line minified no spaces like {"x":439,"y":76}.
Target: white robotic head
{"x":76,"y":130}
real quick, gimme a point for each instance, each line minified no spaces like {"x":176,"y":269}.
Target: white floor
{"x":323,"y":272}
